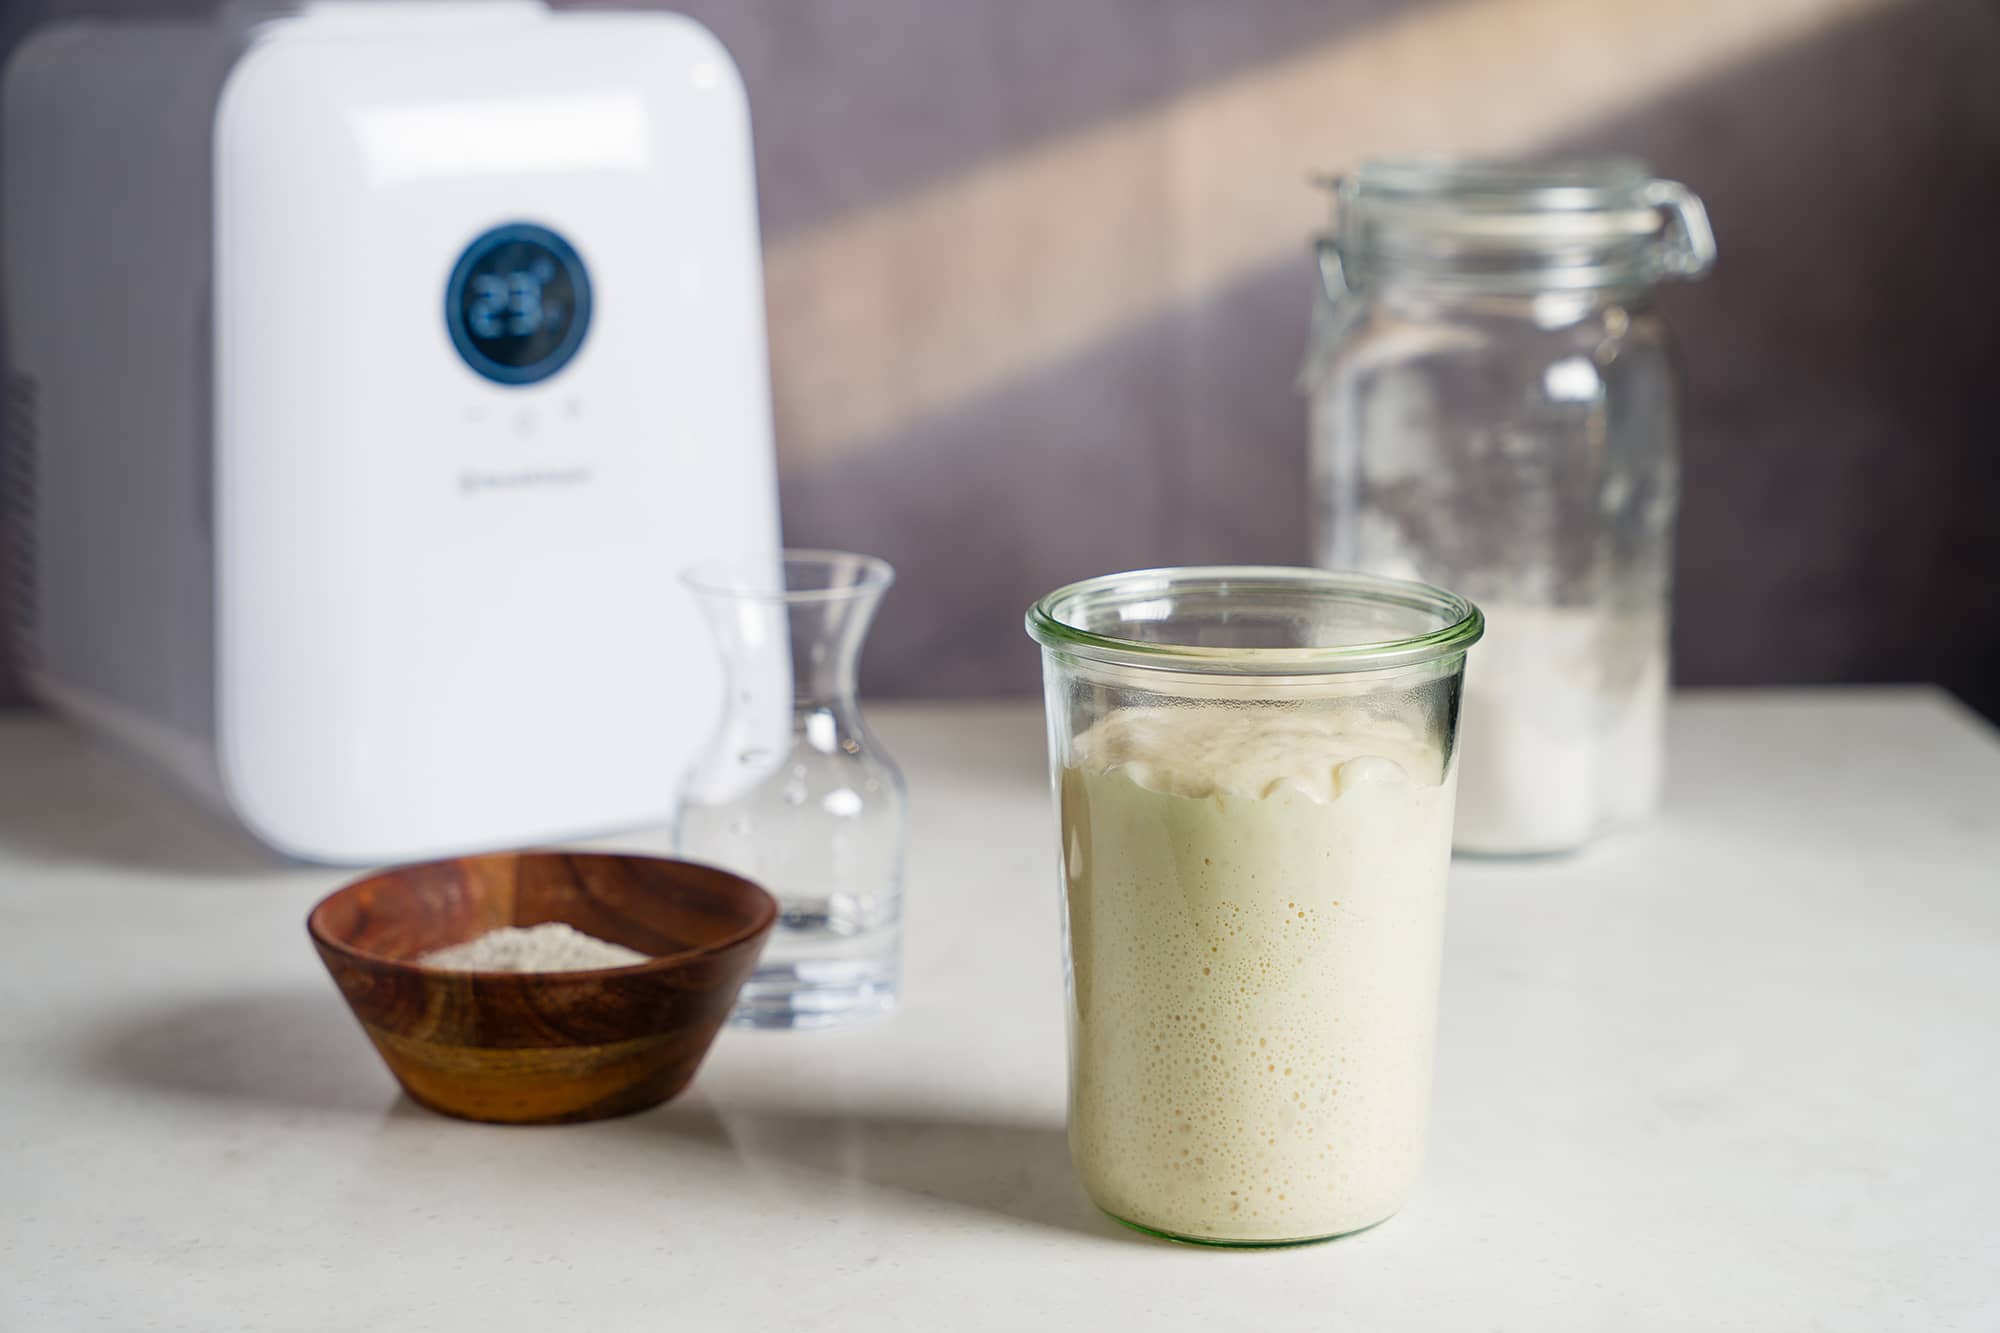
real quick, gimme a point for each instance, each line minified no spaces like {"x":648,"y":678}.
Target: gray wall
{"x":1038,"y":287}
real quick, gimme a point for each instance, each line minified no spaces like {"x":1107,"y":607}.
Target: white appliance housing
{"x":378,"y":367}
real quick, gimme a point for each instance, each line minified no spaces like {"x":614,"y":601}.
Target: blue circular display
{"x":518,"y":303}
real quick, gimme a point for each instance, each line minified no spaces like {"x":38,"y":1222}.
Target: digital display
{"x":518,"y":303}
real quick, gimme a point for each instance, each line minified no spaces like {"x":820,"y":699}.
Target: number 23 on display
{"x":510,"y":303}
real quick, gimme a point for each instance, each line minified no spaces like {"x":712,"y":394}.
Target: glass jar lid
{"x":1514,"y":226}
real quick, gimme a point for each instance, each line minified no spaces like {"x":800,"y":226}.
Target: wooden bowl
{"x":535,"y":1048}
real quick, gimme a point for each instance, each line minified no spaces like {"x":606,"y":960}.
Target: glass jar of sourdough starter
{"x":1494,"y":409}
{"x":1254,"y":772}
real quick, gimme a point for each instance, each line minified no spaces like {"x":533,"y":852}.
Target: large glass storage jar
{"x":1494,"y":409}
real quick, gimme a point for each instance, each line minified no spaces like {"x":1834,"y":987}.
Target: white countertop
{"x":1734,"y":1071}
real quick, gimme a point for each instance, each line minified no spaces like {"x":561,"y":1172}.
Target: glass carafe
{"x":795,"y":792}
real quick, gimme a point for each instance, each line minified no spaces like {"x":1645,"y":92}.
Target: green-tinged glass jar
{"x":1254,"y":773}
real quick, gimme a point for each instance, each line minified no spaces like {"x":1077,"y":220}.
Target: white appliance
{"x":378,"y":367}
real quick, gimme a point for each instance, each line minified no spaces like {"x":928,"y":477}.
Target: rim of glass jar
{"x":1463,"y":622}
{"x":749,"y":579}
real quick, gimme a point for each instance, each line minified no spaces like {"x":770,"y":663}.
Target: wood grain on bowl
{"x":553,"y":1046}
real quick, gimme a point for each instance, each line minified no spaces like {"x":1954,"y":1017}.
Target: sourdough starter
{"x":1256,"y":902}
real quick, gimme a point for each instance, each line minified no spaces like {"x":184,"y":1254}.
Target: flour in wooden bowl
{"x":549,"y":947}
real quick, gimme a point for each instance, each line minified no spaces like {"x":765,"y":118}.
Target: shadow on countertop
{"x":1014,"y":1169}
{"x":67,"y":799}
{"x":296,"y":1049}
